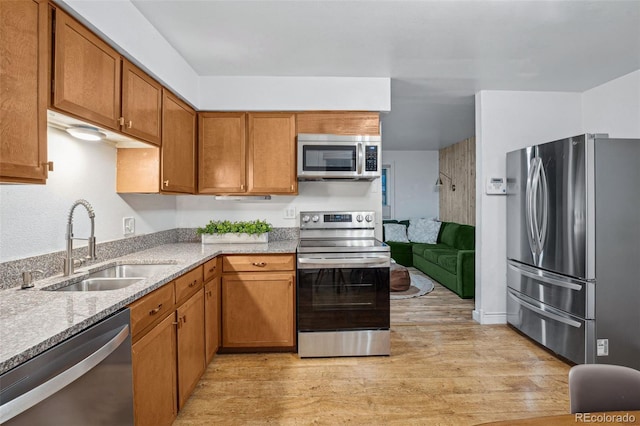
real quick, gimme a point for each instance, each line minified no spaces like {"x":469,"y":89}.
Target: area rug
{"x":419,"y":287}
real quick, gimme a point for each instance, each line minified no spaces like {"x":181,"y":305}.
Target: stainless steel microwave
{"x":324,"y":157}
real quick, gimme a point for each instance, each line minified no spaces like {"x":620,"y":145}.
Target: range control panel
{"x":327,"y":220}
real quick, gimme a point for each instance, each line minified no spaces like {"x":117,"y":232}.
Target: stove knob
{"x":315,"y":218}
{"x":369,"y":218}
{"x":305,"y":218}
{"x":359,"y":218}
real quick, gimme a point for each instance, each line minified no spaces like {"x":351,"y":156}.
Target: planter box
{"x":235,"y":238}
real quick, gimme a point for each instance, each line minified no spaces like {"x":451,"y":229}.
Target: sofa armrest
{"x":466,"y":273}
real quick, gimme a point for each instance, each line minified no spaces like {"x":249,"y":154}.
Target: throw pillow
{"x":424,"y":231}
{"x":395,"y":232}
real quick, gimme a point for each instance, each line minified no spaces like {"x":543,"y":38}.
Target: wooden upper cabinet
{"x":23,"y":85}
{"x":221,"y":159}
{"x":272,"y":154}
{"x":141,"y":104}
{"x":178,"y":168}
{"x":339,"y":122}
{"x":86,"y":74}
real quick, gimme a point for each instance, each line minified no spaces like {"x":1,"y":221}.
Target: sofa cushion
{"x":423,"y":231}
{"x":449,"y":262}
{"x":419,"y":249}
{"x":448,"y":235}
{"x":395,"y":232}
{"x":465,"y":238}
{"x":432,"y":255}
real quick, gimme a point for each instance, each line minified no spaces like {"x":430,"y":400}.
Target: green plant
{"x":225,"y":226}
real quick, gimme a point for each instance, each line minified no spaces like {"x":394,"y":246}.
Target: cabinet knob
{"x":166,"y":182}
{"x":155,"y":310}
{"x":212,"y":269}
{"x":193,"y":283}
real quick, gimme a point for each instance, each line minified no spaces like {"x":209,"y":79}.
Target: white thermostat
{"x":496,"y":186}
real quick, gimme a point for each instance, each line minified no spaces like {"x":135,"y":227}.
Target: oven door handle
{"x":366,"y":262}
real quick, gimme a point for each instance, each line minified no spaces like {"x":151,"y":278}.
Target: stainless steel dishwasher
{"x":85,"y":380}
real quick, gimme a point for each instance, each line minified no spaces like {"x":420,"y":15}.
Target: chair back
{"x":603,"y":387}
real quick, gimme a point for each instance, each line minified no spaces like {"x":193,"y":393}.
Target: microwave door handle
{"x":360,"y":155}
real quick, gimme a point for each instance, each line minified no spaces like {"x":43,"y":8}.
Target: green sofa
{"x":451,"y":261}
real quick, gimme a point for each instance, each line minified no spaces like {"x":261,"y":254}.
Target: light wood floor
{"x":445,"y":369}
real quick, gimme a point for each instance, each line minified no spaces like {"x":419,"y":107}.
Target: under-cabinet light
{"x":86,"y":133}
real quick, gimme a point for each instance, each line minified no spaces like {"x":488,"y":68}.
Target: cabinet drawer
{"x":258,"y":263}
{"x":211,"y":269}
{"x":151,"y":308}
{"x":188,"y":284}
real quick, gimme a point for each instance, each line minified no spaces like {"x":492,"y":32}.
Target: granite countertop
{"x":34,"y":320}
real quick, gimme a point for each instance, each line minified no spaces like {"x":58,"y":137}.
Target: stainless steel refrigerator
{"x":573,"y":247}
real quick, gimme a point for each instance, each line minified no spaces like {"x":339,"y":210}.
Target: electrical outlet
{"x":289,"y":213}
{"x":128,"y":226}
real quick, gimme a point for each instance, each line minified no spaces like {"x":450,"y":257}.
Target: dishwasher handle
{"x":36,"y":395}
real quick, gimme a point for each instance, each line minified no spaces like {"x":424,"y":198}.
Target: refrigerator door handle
{"x":542,"y":232}
{"x":535,"y":227}
{"x":544,"y":276}
{"x":545,"y":313}
{"x":528,"y":208}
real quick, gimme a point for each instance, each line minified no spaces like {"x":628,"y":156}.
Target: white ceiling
{"x":438,"y":54}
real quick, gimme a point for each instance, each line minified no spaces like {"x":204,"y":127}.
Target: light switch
{"x":128,"y":226}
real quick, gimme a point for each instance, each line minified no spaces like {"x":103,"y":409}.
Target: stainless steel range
{"x":342,"y":286}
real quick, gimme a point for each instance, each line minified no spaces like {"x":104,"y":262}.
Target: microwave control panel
{"x":371,"y":158}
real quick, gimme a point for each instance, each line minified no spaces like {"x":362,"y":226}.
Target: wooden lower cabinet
{"x":212,"y":318}
{"x":191,"y":362}
{"x":258,"y":310}
{"x":154,"y":375}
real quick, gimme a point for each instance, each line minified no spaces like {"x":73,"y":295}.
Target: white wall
{"x":33,"y":217}
{"x":414,"y":174}
{"x":614,"y":107}
{"x":506,"y":121}
{"x":195,"y":211}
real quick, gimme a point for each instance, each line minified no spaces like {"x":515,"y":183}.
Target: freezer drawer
{"x":567,"y":294}
{"x":568,"y":336}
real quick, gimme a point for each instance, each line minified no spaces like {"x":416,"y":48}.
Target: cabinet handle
{"x":259,"y":264}
{"x":166,"y":182}
{"x":155,"y":310}
{"x":209,"y":293}
{"x":193,"y":283}
{"x":184,"y":319}
{"x":121,"y":121}
{"x":178,"y":323}
{"x":292,"y":187}
{"x":129,"y":124}
{"x":242,"y":186}
{"x":48,"y":165}
{"x":212,"y":269}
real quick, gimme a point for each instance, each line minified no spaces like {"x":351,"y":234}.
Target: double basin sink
{"x":116,"y":277}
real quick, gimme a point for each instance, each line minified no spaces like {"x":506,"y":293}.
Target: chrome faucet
{"x":69,"y":261}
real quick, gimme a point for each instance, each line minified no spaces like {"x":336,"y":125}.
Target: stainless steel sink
{"x":131,"y":270}
{"x":101,"y":284}
{"x":116,"y":277}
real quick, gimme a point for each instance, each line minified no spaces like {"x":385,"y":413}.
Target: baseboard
{"x":486,"y":318}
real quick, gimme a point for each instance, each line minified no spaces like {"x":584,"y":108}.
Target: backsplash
{"x":51,"y":263}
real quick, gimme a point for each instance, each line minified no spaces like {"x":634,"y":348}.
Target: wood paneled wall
{"x":458,"y":161}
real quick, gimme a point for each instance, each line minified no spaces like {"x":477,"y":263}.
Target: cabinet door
{"x":86,"y":74}
{"x":221,"y":159}
{"x":190,"y":345}
{"x":272,"y":154}
{"x":212,"y":318}
{"x":339,"y":122}
{"x":154,"y":376}
{"x":141,"y":104}
{"x":23,"y":81}
{"x":258,"y":310}
{"x":178,"y":145}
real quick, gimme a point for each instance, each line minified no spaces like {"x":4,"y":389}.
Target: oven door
{"x":345,"y":291}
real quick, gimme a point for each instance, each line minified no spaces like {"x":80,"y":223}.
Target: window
{"x":387,"y":195}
